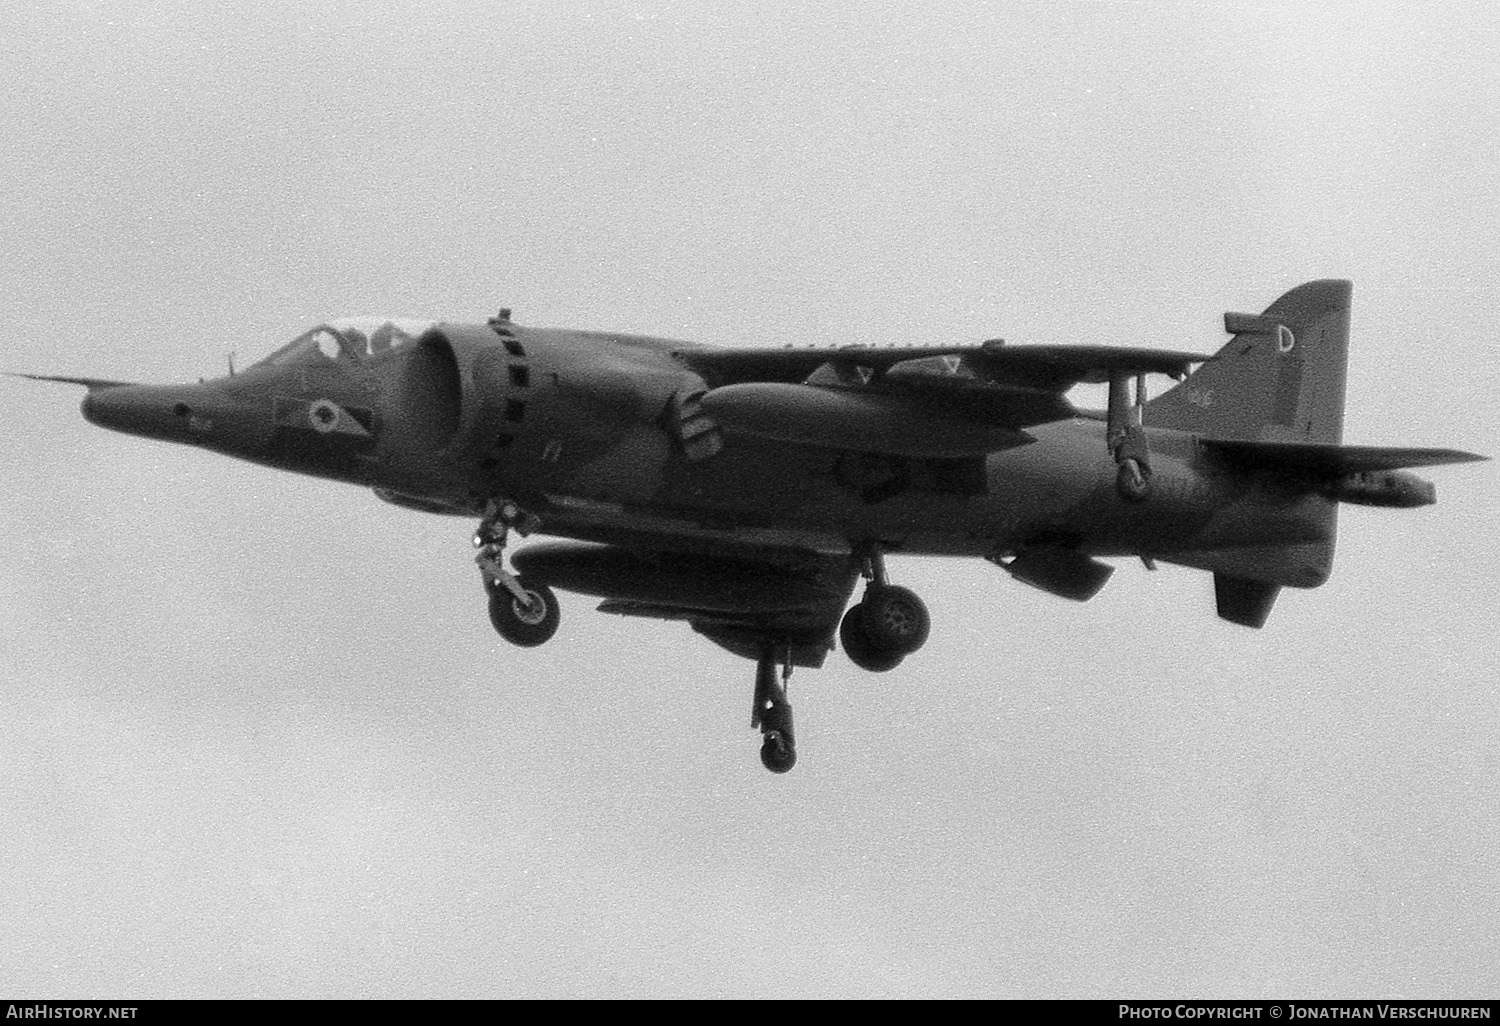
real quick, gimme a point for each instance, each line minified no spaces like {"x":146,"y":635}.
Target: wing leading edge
{"x":1055,"y":368}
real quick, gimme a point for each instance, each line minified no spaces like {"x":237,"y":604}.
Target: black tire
{"x":526,"y":625}
{"x":858,"y":647}
{"x":776,"y":755}
{"x":894,"y":619}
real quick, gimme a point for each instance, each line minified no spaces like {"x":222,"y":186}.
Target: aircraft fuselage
{"x":574,"y":430}
{"x":745,"y":492}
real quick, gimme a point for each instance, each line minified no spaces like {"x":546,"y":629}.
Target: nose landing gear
{"x":523,"y":612}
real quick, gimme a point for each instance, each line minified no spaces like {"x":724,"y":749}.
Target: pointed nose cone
{"x":119,"y":409}
{"x":194,"y":414}
{"x":145,"y":410}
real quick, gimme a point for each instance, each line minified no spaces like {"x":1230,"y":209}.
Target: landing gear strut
{"x":524,"y":613}
{"x":887,"y":624}
{"x":772,"y":712}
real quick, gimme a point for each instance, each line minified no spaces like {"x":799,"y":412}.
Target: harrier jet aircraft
{"x":747,"y":491}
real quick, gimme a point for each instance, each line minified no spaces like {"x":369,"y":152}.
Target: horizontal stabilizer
{"x":1333,"y":460}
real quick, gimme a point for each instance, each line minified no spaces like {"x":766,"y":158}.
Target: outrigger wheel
{"x":777,"y":754}
{"x":773,"y":713}
{"x":1125,"y":437}
{"x":1133,"y":480}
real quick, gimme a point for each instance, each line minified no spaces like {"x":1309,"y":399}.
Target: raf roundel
{"x":324,"y":415}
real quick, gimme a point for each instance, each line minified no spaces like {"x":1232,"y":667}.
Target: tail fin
{"x":1281,"y":378}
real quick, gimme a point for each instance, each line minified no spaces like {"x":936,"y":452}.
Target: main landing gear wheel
{"x":529,"y":623}
{"x":886,"y":625}
{"x":858,"y":646}
{"x":894,"y":619}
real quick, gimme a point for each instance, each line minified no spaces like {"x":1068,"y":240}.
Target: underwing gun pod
{"x":747,"y":492}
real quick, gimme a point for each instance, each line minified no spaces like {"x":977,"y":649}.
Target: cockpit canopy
{"x":350,"y":338}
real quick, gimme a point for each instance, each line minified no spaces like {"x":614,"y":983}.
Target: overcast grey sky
{"x":257,"y":737}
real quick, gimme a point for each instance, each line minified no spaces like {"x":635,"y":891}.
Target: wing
{"x":1053,"y":368}
{"x":740,"y":600}
{"x":939,"y":403}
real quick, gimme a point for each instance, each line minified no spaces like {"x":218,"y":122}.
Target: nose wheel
{"x":526,"y":622}
{"x":523,"y":612}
